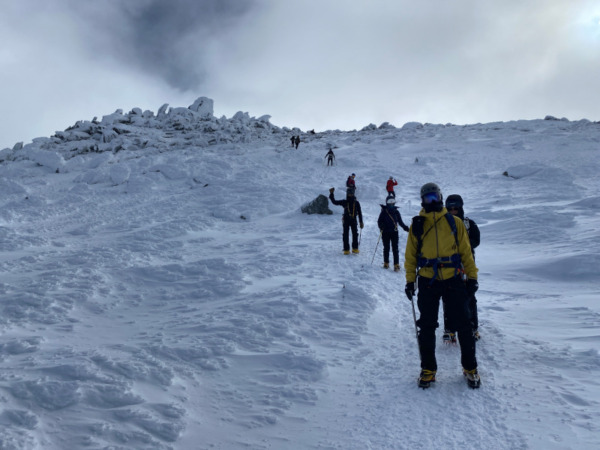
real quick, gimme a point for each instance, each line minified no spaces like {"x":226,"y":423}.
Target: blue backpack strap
{"x":452,"y":223}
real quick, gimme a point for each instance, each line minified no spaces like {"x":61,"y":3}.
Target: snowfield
{"x":161,"y":289}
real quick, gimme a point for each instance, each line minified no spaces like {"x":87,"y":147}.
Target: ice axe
{"x":415,"y":320}
{"x":376,"y":245}
{"x":415,"y":315}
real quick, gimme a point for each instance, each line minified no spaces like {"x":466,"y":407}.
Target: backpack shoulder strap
{"x":394,"y":221}
{"x":452,"y":223}
{"x":418,"y":223}
{"x":418,"y":227}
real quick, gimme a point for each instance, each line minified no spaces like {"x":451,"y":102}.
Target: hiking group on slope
{"x":439,"y":262}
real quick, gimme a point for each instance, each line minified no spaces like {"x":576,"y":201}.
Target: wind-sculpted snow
{"x":161,"y":288}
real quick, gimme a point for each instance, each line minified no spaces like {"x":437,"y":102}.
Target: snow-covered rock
{"x":412,"y":126}
{"x":203,"y":106}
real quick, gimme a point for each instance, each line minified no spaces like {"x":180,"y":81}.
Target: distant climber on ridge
{"x":330,"y":157}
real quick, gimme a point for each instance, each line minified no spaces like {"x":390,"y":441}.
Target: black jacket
{"x":351,"y":208}
{"x":390,"y":219}
{"x":474,"y":235}
{"x":472,"y":229}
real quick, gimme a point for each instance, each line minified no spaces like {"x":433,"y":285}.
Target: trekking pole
{"x":415,"y":320}
{"x":373,"y":259}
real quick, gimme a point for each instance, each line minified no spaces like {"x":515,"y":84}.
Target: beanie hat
{"x":455,"y":201}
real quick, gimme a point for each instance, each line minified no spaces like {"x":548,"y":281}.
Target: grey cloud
{"x":166,"y":38}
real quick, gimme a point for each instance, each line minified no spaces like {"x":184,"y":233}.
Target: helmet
{"x":350,"y":192}
{"x":431,"y":197}
{"x":353,"y":175}
{"x":391,"y":201}
{"x":429,"y":188}
{"x":455,"y":201}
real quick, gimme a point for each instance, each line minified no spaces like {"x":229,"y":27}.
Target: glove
{"x":410,"y":290}
{"x":472,"y":286}
{"x":362,"y":225}
{"x":406,"y":228}
{"x":331,"y":190}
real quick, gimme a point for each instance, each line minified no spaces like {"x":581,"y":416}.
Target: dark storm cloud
{"x":165,"y":38}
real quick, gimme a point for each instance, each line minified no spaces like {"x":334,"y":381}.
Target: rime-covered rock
{"x":412,"y":126}
{"x":203,"y":106}
{"x":319,"y":205}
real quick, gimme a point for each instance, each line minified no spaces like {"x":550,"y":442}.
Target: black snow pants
{"x":350,"y":224}
{"x":456,"y":297}
{"x":472,"y":310}
{"x":387,"y":238}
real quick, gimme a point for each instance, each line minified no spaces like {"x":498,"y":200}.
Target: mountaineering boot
{"x":426,"y":378}
{"x":472,"y":378}
{"x":355,"y":251}
{"x":476,"y":334}
{"x":396,"y":267}
{"x":449,"y":337}
{"x":346,"y":252}
{"x":386,"y":265}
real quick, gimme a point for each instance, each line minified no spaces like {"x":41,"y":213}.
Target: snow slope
{"x":161,"y":289}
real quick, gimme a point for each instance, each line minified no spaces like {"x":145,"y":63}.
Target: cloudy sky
{"x":314,"y":64}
